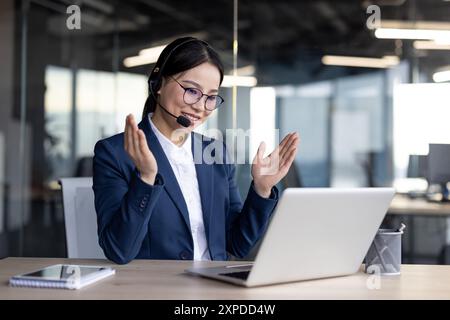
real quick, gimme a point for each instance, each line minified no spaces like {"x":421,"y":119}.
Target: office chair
{"x":80,"y":219}
{"x":84,"y":167}
{"x":417,"y":166}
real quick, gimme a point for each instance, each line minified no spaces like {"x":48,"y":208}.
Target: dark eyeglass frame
{"x":203,"y":94}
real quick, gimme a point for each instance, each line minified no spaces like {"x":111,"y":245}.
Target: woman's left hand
{"x":268,"y":171}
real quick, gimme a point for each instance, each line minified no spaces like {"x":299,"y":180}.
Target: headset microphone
{"x":157,"y":72}
{"x":184,"y":121}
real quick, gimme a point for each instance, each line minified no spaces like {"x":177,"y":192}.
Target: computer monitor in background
{"x":417,"y":166}
{"x":84,"y":167}
{"x":415,"y":185}
{"x":439,"y":164}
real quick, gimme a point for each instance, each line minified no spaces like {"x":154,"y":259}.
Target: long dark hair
{"x":180,"y":55}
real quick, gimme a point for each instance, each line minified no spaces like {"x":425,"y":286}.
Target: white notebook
{"x":62,"y":276}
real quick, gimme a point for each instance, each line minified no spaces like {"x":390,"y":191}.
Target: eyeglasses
{"x":193,"y":95}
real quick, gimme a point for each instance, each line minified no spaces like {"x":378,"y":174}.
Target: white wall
{"x":421,"y":116}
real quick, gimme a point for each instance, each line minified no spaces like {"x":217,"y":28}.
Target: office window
{"x":421,"y":116}
{"x":58,"y":108}
{"x":104,"y":99}
{"x":305,"y":109}
{"x":357,"y":128}
{"x":262,"y":120}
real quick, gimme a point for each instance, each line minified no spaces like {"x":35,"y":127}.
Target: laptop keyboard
{"x":239,"y":275}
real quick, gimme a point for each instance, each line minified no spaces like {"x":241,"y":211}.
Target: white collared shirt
{"x":182,"y":162}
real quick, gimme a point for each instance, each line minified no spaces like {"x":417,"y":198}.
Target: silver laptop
{"x":314,"y":233}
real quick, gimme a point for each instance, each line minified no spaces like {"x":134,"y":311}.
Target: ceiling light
{"x":430,"y":45}
{"x":441,"y":76}
{"x":245,"y":71}
{"x":146,"y":56}
{"x":137,"y":61}
{"x":402,"y":24}
{"x":239,"y":81}
{"x":412,"y":34}
{"x":347,"y":61}
{"x":151,"y":55}
{"x":153,"y":51}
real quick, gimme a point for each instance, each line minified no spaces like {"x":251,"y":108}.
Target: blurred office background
{"x":360,"y":120}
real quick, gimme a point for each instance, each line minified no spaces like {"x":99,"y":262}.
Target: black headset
{"x":156,"y":76}
{"x":158,"y":70}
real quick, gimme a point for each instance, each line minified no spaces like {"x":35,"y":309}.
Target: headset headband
{"x":158,"y":70}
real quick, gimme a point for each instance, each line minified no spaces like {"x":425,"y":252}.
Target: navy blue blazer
{"x":141,"y":221}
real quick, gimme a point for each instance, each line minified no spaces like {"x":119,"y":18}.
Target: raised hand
{"x":137,"y":148}
{"x":268,"y":171}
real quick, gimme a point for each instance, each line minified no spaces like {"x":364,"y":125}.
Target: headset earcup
{"x":151,"y":85}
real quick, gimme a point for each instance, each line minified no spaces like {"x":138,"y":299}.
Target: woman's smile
{"x":194,"y":118}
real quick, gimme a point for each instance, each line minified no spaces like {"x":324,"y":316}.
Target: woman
{"x":152,"y":200}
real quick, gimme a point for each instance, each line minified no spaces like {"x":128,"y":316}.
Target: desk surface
{"x":160,"y":279}
{"x":402,"y":204}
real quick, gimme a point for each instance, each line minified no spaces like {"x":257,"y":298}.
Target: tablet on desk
{"x":62,"y":276}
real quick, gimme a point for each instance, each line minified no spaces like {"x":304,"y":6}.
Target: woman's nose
{"x":200,"y":104}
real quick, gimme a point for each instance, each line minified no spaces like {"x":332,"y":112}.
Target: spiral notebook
{"x":62,"y":276}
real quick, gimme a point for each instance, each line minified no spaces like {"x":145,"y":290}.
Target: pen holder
{"x":385,"y":252}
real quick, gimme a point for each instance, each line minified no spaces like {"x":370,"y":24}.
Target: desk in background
{"x":161,"y":279}
{"x":403,"y":205}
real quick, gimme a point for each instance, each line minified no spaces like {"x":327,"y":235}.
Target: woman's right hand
{"x":137,"y":148}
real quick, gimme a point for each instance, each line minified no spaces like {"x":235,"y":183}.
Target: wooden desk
{"x":403,"y":205}
{"x":411,"y":208}
{"x":159,"y":279}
